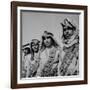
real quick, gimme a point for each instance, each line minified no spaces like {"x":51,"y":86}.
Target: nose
{"x":46,"y":40}
{"x":67,"y":32}
{"x":35,"y":46}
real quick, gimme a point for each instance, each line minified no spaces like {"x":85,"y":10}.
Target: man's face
{"x":47,"y":41}
{"x":35,"y":46}
{"x":68,"y":32}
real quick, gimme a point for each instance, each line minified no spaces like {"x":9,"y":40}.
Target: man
{"x":70,"y":38}
{"x":32,"y":60}
{"x":25,"y":57}
{"x":50,"y":56}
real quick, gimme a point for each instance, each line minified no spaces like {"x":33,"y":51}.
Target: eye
{"x":70,"y":28}
{"x":43,"y":38}
{"x":33,"y":44}
{"x":48,"y":37}
{"x":37,"y":45}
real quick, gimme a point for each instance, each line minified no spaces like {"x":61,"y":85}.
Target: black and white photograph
{"x":49,"y":44}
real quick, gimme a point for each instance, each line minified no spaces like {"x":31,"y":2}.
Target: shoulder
{"x":57,"y":50}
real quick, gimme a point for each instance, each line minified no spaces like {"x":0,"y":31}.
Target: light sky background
{"x":35,"y":23}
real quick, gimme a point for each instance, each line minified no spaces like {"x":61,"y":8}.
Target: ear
{"x":38,"y":41}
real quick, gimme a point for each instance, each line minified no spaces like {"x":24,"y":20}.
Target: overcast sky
{"x":35,"y":23}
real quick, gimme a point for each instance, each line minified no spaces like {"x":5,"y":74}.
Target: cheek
{"x":65,"y":33}
{"x":71,"y":32}
{"x":49,"y":40}
{"x":37,"y":46}
{"x":32,"y":47}
{"x":45,"y":41}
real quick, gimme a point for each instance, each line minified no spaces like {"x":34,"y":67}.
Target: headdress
{"x":35,"y":41}
{"x":47,"y":34}
{"x":68,"y":25}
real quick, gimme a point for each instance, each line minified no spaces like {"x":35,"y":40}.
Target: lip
{"x":47,"y":43}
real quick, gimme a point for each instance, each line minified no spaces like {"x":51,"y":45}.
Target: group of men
{"x":44,"y":58}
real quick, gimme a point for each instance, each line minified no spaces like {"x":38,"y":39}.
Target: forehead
{"x":35,"y":42}
{"x":47,"y":36}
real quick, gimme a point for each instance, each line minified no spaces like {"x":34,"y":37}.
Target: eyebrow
{"x":35,"y":44}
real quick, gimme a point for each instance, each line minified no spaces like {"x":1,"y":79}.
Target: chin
{"x":48,"y":45}
{"x":35,"y":50}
